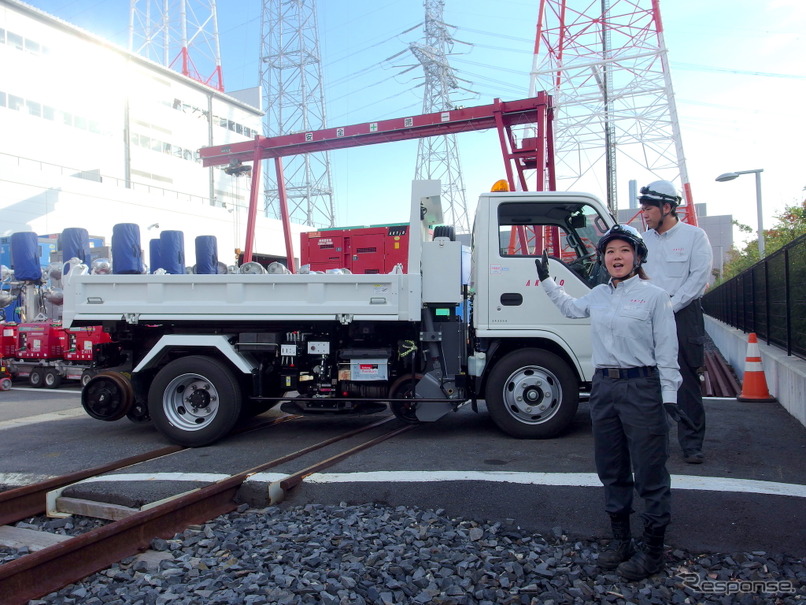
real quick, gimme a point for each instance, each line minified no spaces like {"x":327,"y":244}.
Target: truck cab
{"x":530,"y":360}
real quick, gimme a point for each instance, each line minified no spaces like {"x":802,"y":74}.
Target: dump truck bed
{"x":237,"y":297}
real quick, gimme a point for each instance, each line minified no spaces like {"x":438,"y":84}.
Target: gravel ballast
{"x":373,"y":554}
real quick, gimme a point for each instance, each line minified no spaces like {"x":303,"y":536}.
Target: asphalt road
{"x":749,"y":495}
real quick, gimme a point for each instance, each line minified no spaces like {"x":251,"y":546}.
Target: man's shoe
{"x":694,"y":457}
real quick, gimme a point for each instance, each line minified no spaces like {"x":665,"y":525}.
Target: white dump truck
{"x":201,"y":352}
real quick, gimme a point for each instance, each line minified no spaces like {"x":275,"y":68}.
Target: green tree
{"x":790,"y":224}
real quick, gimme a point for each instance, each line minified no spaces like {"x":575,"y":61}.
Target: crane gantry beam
{"x":533,"y":154}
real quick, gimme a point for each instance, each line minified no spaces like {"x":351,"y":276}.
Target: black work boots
{"x":621,"y":554}
{"x":621,"y":547}
{"x":648,"y":559}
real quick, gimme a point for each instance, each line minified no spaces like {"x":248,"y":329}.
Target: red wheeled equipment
{"x":5,"y":379}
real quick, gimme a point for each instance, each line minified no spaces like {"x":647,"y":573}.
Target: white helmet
{"x":659,"y":193}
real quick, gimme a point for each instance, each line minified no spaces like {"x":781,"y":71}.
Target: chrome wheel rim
{"x":532,"y":395}
{"x":190,"y":402}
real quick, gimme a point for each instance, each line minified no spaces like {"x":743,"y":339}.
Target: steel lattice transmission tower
{"x":179,"y":34}
{"x":605,"y":64}
{"x":291,"y":76}
{"x":438,"y":157}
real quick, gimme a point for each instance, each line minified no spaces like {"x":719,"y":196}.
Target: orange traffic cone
{"x":754,"y":387}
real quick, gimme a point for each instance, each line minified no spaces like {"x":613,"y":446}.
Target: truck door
{"x":569,"y":233}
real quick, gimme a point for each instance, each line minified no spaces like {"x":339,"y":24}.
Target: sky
{"x":738,"y":71}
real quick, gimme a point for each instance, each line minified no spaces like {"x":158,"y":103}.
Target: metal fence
{"x":769,"y":299}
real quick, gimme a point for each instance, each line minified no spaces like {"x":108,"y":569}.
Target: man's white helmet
{"x":659,"y":193}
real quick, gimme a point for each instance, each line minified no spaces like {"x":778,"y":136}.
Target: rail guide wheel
{"x":403,"y":388}
{"x":108,"y":396}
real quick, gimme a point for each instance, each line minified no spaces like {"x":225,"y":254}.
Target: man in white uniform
{"x":679,"y":261}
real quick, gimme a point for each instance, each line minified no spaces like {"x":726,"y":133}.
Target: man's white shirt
{"x":679,"y":261}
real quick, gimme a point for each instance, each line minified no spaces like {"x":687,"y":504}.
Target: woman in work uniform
{"x":636,"y":376}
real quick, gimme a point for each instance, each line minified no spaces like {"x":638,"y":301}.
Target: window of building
{"x":35,"y":109}
{"x":31,"y":46}
{"x":2,"y":36}
{"x":2,"y":99}
{"x":14,"y":40}
{"x":48,"y":112}
{"x":15,"y":102}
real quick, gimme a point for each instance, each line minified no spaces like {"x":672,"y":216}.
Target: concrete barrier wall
{"x":785,"y":374}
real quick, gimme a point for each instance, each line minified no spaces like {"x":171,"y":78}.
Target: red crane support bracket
{"x":535,"y":153}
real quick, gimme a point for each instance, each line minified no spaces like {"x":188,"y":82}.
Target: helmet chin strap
{"x":662,"y":218}
{"x":633,"y":272}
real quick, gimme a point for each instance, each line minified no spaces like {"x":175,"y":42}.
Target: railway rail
{"x":30,"y":500}
{"x":56,"y":566}
{"x":718,"y":377}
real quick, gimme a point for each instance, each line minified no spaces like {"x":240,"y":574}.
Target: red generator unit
{"x":79,"y":342}
{"x":8,"y":340}
{"x":39,"y":341}
{"x":374,"y":249}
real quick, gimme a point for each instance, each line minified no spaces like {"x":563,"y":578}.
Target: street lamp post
{"x":729,"y":176}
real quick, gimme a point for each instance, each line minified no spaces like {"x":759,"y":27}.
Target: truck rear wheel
{"x":87,"y":375}
{"x":37,"y":377}
{"x":532,"y":394}
{"x":194,"y":401}
{"x":52,"y":380}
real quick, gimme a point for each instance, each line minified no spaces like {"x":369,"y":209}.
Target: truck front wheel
{"x":532,"y":394}
{"x":194,"y":401}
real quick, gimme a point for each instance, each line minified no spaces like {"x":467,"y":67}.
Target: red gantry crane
{"x":534,"y":153}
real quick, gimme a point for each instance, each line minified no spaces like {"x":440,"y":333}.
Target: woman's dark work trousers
{"x":631,"y":445}
{"x":691,"y":357}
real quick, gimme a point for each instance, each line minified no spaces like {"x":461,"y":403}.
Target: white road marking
{"x":17,"y":422}
{"x":201,"y":477}
{"x":20,"y":479}
{"x":679,"y":482}
{"x":53,"y":391}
